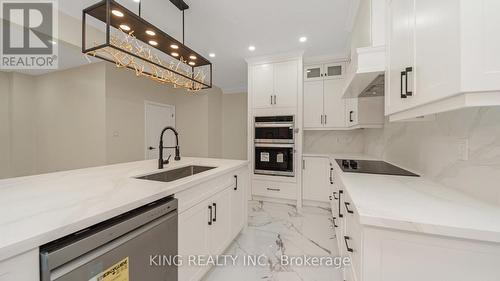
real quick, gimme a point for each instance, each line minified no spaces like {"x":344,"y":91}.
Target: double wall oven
{"x":274,"y":145}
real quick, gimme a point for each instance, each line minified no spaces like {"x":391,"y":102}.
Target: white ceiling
{"x":228,"y":27}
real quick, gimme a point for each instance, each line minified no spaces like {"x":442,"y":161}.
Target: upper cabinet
{"x":321,"y":72}
{"x":324,"y":107}
{"x":275,"y":84}
{"x":441,"y":56}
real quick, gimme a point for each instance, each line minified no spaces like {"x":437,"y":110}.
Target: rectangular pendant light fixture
{"x":132,"y":42}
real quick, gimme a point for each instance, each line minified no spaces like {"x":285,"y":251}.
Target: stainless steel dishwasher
{"x":124,"y":248}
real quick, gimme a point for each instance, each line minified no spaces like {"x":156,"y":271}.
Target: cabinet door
{"x":286,"y":82}
{"x":193,"y":239}
{"x":334,"y":71}
{"x":400,"y":53}
{"x":263,"y":85}
{"x":238,"y":203}
{"x":313,"y":73}
{"x":313,"y":104}
{"x":315,"y":179}
{"x":334,"y":105}
{"x":220,"y":232}
{"x":352,"y":112}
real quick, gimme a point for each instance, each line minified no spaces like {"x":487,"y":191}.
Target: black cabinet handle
{"x":273,"y":189}
{"x":330,"y":197}
{"x":349,"y":249}
{"x":331,"y":175}
{"x":334,"y":224}
{"x":407,"y":70}
{"x":151,"y":148}
{"x":236,"y":182}
{"x":350,"y":116}
{"x":403,"y":94}
{"x":210,"y":215}
{"x":215,"y":212}
{"x":340,"y":200}
{"x":336,"y":198}
{"x":347,"y":208}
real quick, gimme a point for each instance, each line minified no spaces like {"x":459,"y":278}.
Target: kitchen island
{"x":38,"y":209}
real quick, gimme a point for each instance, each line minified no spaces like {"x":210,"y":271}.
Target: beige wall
{"x":234,"y":126}
{"x":94,"y":115}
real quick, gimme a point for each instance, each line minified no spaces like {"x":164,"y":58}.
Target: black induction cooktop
{"x":372,"y":167}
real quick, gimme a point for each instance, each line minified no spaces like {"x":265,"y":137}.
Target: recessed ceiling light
{"x":303,"y":39}
{"x":152,"y":42}
{"x":117,"y":13}
{"x":175,"y":54}
{"x":125,"y":27}
{"x":137,"y":1}
{"x":150,"y":32}
{"x":212,"y":55}
{"x":251,"y":48}
{"x":173,"y":46}
{"x":192,"y":57}
{"x":192,"y":63}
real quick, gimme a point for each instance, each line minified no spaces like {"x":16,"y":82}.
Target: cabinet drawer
{"x":282,"y":190}
{"x":353,"y":236}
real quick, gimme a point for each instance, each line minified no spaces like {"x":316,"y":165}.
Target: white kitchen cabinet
{"x":275,"y":84}
{"x":23,"y":267}
{"x":324,"y":107}
{"x":220,"y":230}
{"x":238,"y":199}
{"x":365,"y":112}
{"x":315,"y":178}
{"x":441,"y":56}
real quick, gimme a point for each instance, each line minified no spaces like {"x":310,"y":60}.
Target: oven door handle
{"x":274,"y":125}
{"x":277,"y":145}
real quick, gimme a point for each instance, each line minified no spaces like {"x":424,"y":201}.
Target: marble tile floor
{"x":276,"y":229}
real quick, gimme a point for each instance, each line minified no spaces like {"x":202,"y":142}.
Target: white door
{"x":286,"y":84}
{"x":263,"y":85}
{"x":313,"y":104}
{"x":238,"y":203}
{"x":220,"y":232}
{"x":157,"y":117}
{"x":193,"y":239}
{"x":315,"y":179}
{"x":334,"y":105}
{"x":400,"y":50}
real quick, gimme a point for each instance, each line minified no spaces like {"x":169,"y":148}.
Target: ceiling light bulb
{"x":117,"y":13}
{"x":125,"y":27}
{"x":152,"y":42}
{"x":173,"y":46}
{"x":175,"y":54}
{"x":150,"y":32}
{"x":212,"y":55}
{"x":192,"y":63}
{"x":251,"y":48}
{"x":137,"y":1}
{"x":303,"y":39}
{"x":192,"y":57}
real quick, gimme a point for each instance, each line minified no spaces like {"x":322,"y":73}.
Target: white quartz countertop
{"x":35,"y":210}
{"x":417,"y":204}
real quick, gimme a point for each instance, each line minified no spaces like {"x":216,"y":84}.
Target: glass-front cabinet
{"x":324,"y":71}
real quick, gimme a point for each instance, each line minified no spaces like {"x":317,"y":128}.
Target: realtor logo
{"x":28,"y":32}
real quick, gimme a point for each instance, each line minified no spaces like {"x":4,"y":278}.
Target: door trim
{"x":146,"y":103}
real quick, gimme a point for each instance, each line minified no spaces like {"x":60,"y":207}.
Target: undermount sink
{"x":175,"y":174}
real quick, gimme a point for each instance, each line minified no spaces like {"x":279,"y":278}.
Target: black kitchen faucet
{"x":177,"y":157}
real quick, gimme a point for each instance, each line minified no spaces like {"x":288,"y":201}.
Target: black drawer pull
{"x":334,"y":224}
{"x":347,"y":208}
{"x":407,"y":70}
{"x":349,"y":249}
{"x":350,"y":116}
{"x":334,"y":197}
{"x":236,"y":182}
{"x":210,"y":215}
{"x":273,"y":189}
{"x":340,"y":200}
{"x":403,"y":94}
{"x":215,"y":212}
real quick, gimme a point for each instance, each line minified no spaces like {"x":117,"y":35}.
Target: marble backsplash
{"x":333,"y":141}
{"x":434,"y":149}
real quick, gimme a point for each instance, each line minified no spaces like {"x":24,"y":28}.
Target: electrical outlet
{"x":463,"y":149}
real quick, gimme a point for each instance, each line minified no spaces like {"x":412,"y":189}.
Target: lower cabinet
{"x":386,"y":254}
{"x":210,"y":226}
{"x":316,"y":178}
